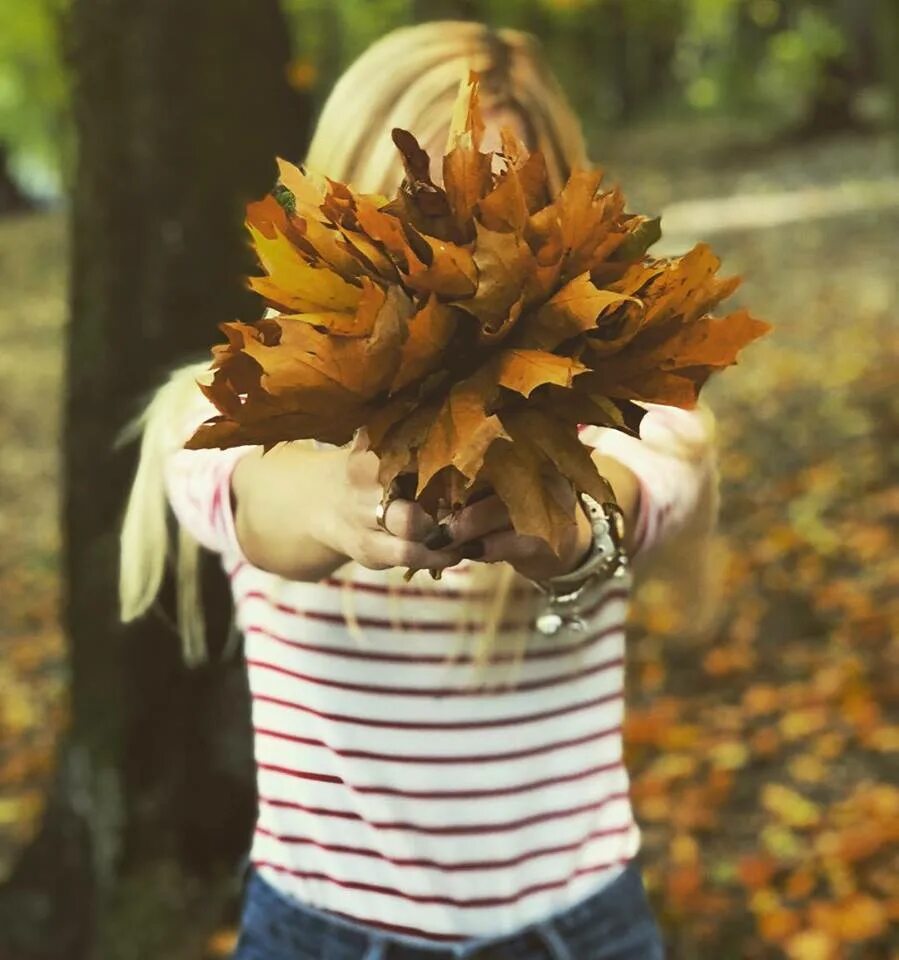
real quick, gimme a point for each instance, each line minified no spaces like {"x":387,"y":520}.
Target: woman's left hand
{"x":483,"y":532}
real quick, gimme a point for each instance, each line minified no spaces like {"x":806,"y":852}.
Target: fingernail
{"x":472,"y":550}
{"x":438,"y":539}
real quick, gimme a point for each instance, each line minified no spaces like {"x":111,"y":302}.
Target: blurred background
{"x":132,"y":132}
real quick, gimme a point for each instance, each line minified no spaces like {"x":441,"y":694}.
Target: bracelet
{"x":568,"y":593}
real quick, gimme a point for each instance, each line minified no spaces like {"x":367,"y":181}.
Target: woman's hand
{"x":353,"y":528}
{"x":302,"y":513}
{"x":484,"y":531}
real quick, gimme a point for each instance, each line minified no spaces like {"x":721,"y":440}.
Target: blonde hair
{"x":408,"y":79}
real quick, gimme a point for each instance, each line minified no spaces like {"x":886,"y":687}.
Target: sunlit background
{"x":764,"y":753}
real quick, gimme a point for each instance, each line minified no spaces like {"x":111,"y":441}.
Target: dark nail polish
{"x":438,"y":539}
{"x":472,"y":550}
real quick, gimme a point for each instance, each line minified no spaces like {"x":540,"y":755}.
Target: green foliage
{"x":620,"y":60}
{"x":33,"y":87}
{"x":625,"y":59}
{"x":763,"y":55}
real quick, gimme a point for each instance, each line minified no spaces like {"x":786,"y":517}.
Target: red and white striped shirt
{"x":392,"y":790}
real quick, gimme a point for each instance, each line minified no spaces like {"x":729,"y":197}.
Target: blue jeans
{"x":614,"y":924}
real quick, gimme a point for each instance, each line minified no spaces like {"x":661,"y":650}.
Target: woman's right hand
{"x":301,"y":513}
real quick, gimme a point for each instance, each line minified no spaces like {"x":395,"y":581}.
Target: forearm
{"x":290,"y":483}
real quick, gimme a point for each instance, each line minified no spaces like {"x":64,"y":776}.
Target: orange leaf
{"x":576,"y":308}
{"x":503,"y":261}
{"x":756,"y":871}
{"x":448,"y":271}
{"x":559,"y":442}
{"x":462,"y":432}
{"x":517,"y":473}
{"x":430,"y":331}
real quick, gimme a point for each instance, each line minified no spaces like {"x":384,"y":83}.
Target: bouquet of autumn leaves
{"x":470,"y":328}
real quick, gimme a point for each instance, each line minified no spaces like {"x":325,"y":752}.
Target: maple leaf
{"x":517,"y":472}
{"x":470,"y":327}
{"x":467,"y":172}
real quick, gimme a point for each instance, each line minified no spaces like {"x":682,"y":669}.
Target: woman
{"x":436,"y":776}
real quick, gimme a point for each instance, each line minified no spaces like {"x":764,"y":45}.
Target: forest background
{"x":764,"y":753}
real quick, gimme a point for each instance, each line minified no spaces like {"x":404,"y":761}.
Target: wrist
{"x":567,"y":594}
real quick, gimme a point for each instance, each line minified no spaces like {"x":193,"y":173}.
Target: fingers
{"x":381,"y":551}
{"x":479,"y":519}
{"x":511,"y":547}
{"x":408,"y":521}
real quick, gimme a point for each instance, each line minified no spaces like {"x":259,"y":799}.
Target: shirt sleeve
{"x":198,"y":486}
{"x":673,"y":461}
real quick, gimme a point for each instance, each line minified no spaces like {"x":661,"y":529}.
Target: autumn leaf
{"x":790,"y":807}
{"x":462,"y":432}
{"x":304,"y":190}
{"x":560,"y":444}
{"x":517,"y":473}
{"x":525,"y":370}
{"x":446,"y":269}
{"x":294,"y":283}
{"x":469,"y":328}
{"x":503,"y":261}
{"x":430,"y":330}
{"x":467,"y":172}
{"x":577,"y":308}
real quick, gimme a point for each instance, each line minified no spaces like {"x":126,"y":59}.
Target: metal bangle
{"x":569,"y":593}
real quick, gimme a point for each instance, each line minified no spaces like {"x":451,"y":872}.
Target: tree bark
{"x":888,"y":35}
{"x":180,"y":107}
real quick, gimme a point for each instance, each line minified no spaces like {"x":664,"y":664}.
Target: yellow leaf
{"x":807,"y":768}
{"x":812,"y":945}
{"x":731,"y":755}
{"x":516,"y":473}
{"x":222,"y":943}
{"x":781,"y":842}
{"x":560,"y":444}
{"x":525,"y":370}
{"x":302,"y":283}
{"x":801,"y":723}
{"x":852,"y":919}
{"x":304,"y":189}
{"x":884,"y":740}
{"x":684,"y":849}
{"x":778,"y":924}
{"x":790,"y":807}
{"x":467,"y":173}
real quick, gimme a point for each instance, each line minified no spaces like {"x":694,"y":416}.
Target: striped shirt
{"x":398,"y":787}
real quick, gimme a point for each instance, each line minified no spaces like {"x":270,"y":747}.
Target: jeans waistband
{"x":301,"y":926}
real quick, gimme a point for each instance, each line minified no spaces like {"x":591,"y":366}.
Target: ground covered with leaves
{"x":764,"y":754}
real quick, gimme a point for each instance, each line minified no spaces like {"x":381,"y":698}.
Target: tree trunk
{"x":888,"y":35}
{"x":841,"y":76}
{"x":180,"y":107}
